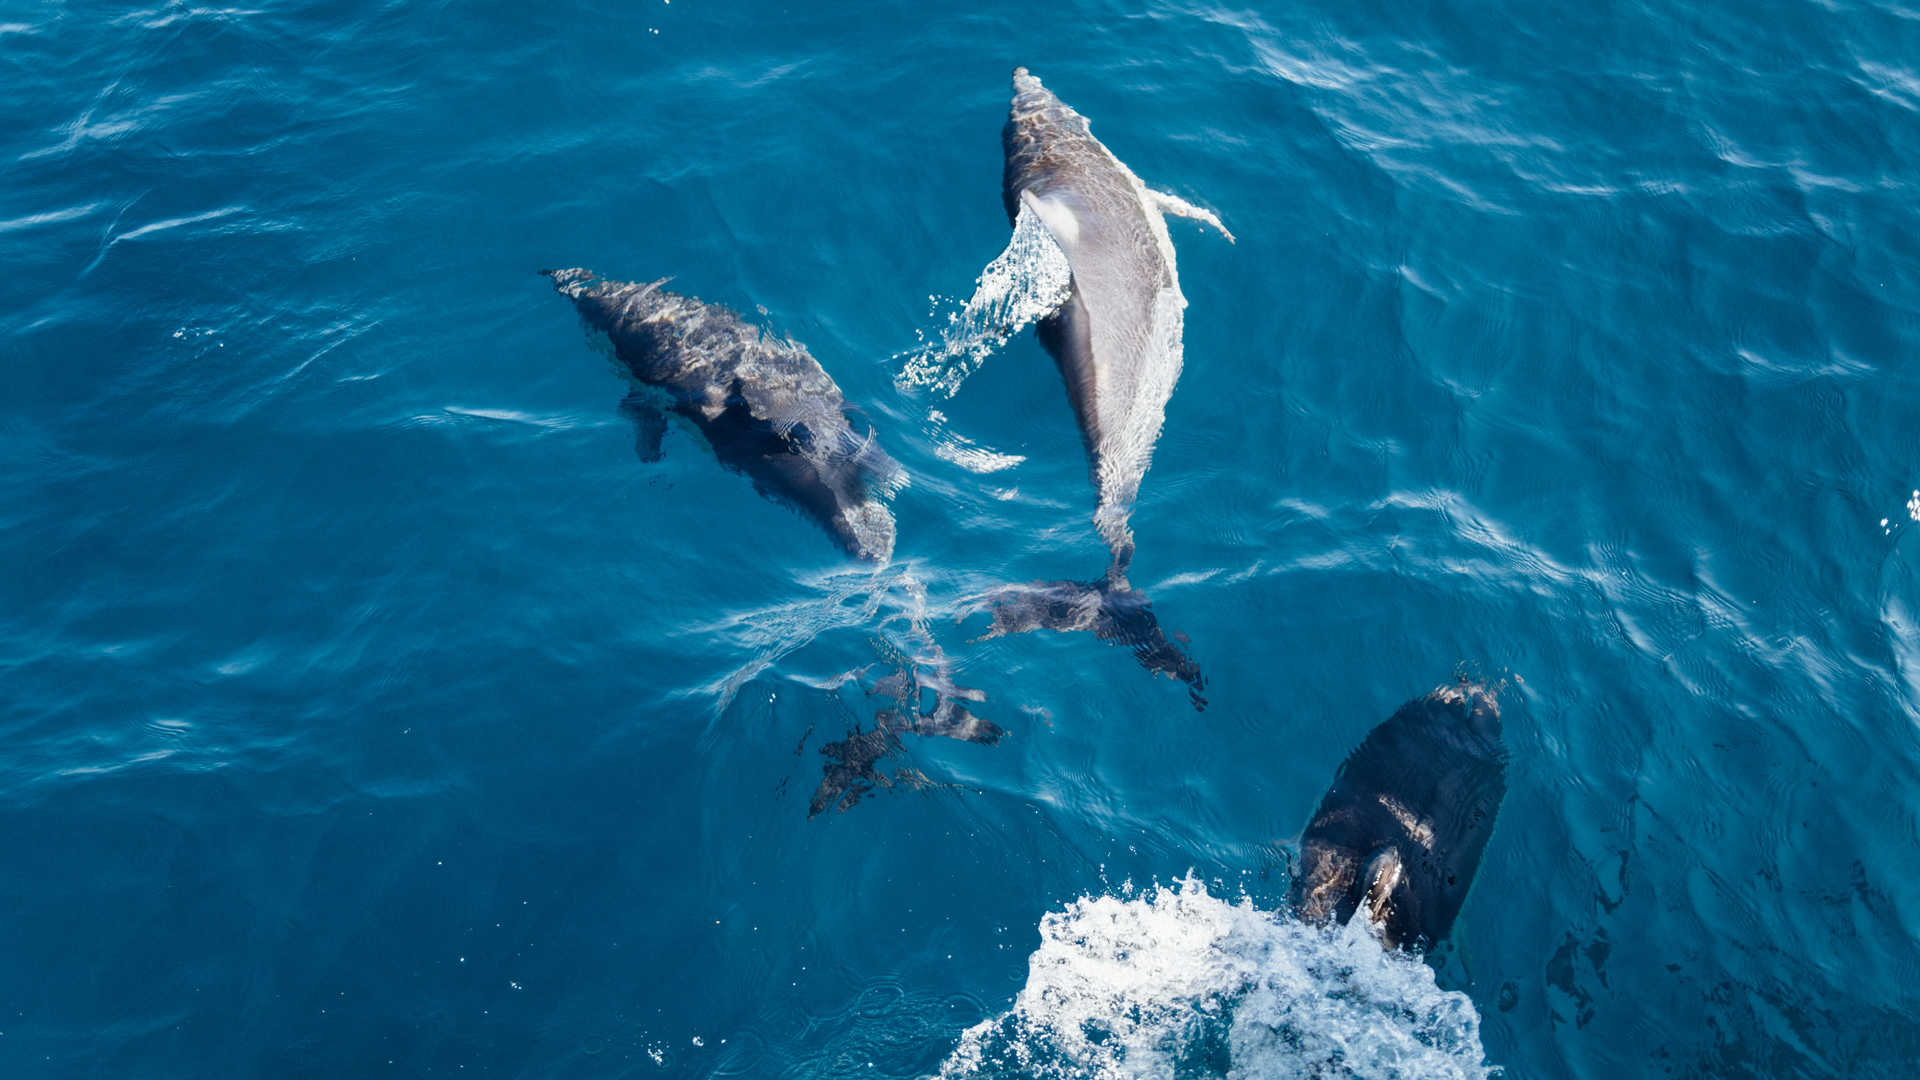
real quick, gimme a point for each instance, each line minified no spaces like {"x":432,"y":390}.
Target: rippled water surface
{"x":371,"y":709}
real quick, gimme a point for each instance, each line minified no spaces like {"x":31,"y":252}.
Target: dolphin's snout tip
{"x":566,"y":276}
{"x":1470,"y":696}
{"x":1485,"y":696}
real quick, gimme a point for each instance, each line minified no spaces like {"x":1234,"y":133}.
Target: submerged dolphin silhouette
{"x":769,"y":410}
{"x":1117,"y":341}
{"x":852,"y":768}
{"x":1400,"y":833}
{"x":765,"y":405}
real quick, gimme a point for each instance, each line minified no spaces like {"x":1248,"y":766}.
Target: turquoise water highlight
{"x":370,"y":706}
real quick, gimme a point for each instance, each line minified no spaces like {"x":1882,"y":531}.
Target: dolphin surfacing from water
{"x":765,"y":405}
{"x":1400,"y":833}
{"x":1116,"y":339}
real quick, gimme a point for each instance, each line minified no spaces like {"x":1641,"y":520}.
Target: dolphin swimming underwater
{"x":1401,"y":832}
{"x":1117,"y":341}
{"x":765,"y":405}
{"x":770,"y":410}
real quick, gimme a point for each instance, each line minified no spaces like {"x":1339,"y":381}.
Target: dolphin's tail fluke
{"x":1112,"y":610}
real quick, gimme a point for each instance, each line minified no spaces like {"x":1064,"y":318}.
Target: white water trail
{"x":1176,"y":982}
{"x":1026,"y":283}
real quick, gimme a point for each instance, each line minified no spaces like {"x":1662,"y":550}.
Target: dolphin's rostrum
{"x":1400,"y":833}
{"x":764,"y":404}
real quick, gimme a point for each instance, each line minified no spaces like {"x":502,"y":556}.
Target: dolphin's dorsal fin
{"x":1179,"y":207}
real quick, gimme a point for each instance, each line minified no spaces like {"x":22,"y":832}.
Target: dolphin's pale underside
{"x":1118,"y":336}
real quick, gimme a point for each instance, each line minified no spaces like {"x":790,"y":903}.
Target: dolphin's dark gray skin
{"x":765,"y":405}
{"x":1117,"y":341}
{"x":1401,"y":831}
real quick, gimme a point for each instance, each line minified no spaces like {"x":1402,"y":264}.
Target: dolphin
{"x":765,"y":405}
{"x":1400,"y":833}
{"x":1116,"y":340}
{"x":769,"y":410}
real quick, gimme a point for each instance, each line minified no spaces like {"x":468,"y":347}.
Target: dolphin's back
{"x":702,"y":353}
{"x":1402,"y":829}
{"x":765,"y":404}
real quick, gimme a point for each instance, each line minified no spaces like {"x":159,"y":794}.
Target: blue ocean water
{"x":371,"y":709}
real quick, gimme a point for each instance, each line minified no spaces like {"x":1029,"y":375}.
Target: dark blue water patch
{"x":371,"y":706}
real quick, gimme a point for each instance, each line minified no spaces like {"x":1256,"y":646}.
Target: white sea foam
{"x":1026,"y":283}
{"x":1176,"y":982}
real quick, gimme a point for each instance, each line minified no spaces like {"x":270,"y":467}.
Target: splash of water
{"x":1026,"y":283}
{"x":1176,"y":982}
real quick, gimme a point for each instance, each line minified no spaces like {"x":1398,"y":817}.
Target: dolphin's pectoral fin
{"x":1179,"y":207}
{"x":649,"y":424}
{"x":1058,"y":217}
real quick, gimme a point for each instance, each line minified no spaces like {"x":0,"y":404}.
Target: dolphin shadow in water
{"x":1116,"y":339}
{"x":1400,"y":833}
{"x":927,"y":702}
